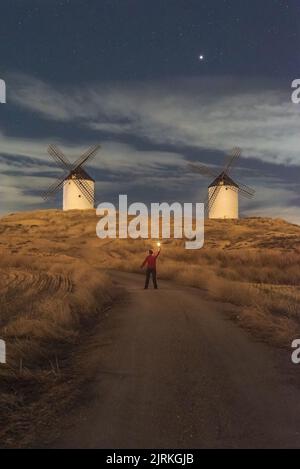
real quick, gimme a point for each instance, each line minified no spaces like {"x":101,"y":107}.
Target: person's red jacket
{"x":151,"y":261}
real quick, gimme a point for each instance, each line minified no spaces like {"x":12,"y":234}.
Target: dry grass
{"x":53,"y":285}
{"x":49,"y":297}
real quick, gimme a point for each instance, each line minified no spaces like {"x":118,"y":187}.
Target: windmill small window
{"x":223,"y":193}
{"x":78,"y":186}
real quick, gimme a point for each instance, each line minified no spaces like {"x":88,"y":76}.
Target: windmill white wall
{"x":226,"y":204}
{"x":74,"y":199}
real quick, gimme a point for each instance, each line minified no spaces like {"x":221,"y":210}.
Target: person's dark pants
{"x":149,"y":273}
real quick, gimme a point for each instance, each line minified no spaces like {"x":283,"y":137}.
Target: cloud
{"x":273,"y":199}
{"x":205,"y":113}
{"x":38,"y":96}
{"x":291,"y":213}
{"x":113,"y":156}
{"x":15,"y":193}
{"x":26,"y":169}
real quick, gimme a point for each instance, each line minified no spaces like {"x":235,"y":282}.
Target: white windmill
{"x":78,"y":186}
{"x":223,"y":193}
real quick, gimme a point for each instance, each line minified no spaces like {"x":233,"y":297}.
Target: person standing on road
{"x":150,"y":261}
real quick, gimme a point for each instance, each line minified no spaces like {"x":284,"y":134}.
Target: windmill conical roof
{"x":80,"y":173}
{"x":223,"y":179}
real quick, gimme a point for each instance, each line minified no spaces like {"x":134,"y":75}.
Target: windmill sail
{"x":220,"y":183}
{"x":76,"y":177}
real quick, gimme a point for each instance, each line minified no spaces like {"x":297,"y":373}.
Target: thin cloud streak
{"x":205,"y":113}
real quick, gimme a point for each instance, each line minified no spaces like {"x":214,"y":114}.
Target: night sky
{"x":127,"y":74}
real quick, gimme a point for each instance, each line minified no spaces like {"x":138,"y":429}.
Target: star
{"x":201,"y":57}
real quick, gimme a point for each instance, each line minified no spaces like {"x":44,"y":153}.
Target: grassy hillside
{"x":53,"y":285}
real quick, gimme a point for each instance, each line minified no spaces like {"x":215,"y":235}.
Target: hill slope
{"x":51,"y":251}
{"x":53,"y":285}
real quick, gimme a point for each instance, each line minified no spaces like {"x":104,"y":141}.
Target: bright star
{"x":201,"y":57}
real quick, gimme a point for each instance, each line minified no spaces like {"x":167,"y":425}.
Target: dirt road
{"x":174,"y":372}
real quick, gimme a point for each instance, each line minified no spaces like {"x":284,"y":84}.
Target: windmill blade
{"x":81,"y":184}
{"x":213,"y":196}
{"x":206,"y":207}
{"x":74,"y":169}
{"x":202,"y":169}
{"x":89,"y":154}
{"x":63,"y":161}
{"x":233,"y":156}
{"x":210,"y":200}
{"x":244,"y":193}
{"x":54,"y":188}
{"x":238,"y":191}
{"x":248,"y":194}
{"x":84,"y":189}
{"x":59,"y":157}
{"x":246,"y":190}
